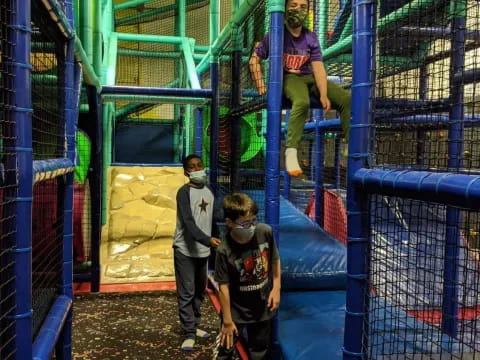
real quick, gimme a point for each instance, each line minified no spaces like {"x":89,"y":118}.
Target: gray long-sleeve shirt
{"x":195,"y":221}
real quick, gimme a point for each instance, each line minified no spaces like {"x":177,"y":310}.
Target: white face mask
{"x":243,"y":235}
{"x":198,"y":177}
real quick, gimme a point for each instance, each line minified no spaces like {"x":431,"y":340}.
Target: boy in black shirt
{"x":247,"y":268}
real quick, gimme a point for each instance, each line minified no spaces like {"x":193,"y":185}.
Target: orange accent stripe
{"x":84,"y":288}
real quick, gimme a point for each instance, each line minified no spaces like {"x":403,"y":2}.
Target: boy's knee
{"x":301,"y":104}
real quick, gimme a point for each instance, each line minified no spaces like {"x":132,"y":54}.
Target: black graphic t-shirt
{"x":247,"y":270}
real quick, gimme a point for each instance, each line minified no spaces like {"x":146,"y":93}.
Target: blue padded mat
{"x":311,"y":258}
{"x":311,"y":325}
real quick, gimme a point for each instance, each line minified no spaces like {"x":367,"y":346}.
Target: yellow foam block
{"x":137,"y":238}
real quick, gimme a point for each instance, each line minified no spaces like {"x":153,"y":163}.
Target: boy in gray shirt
{"x":195,"y":233}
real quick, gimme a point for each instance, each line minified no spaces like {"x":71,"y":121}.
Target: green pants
{"x":297,"y":88}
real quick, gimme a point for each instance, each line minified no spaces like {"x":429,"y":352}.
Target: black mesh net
{"x":149,"y":64}
{"x":47,"y":247}
{"x":424,"y":269}
{"x":47,"y":57}
{"x":242,"y":122}
{"x":413,"y":278}
{"x":8,"y":191}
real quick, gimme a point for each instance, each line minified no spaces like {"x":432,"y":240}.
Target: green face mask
{"x":296,"y":17}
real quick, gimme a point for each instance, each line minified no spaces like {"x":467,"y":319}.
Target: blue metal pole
{"x":336,"y":160}
{"x":319,"y":152}
{"x":21,"y":113}
{"x":214,"y":125}
{"x":455,"y":162}
{"x":71,"y":105}
{"x":198,"y":130}
{"x":356,"y":314}
{"x":274,"y":119}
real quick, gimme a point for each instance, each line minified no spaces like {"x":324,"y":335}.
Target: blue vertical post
{"x":198,"y":130}
{"x":214,"y":124}
{"x":336,"y":161}
{"x":95,"y":179}
{"x":235,"y":121}
{"x":274,"y":119}
{"x":455,"y":162}
{"x":319,"y":155}
{"x":356,"y":314}
{"x":21,"y":113}
{"x":70,"y":112}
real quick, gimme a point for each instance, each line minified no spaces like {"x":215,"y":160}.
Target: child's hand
{"x":262,"y":89}
{"x":214,"y":242}
{"x":228,"y":333}
{"x":273,"y":299}
{"x":325,"y":101}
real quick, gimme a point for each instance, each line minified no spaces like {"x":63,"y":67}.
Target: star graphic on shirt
{"x":203,"y":205}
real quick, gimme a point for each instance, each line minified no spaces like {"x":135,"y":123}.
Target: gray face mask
{"x":198,"y":177}
{"x":242,"y":234}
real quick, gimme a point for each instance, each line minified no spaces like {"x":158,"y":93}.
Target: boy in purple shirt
{"x":304,"y":74}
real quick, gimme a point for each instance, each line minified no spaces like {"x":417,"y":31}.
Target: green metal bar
{"x":347,"y":29}
{"x":90,"y":75}
{"x":201,"y":48}
{"x":338,"y":48}
{"x":76,"y":13}
{"x":111,"y":66}
{"x":214,"y":31}
{"x":152,"y":99}
{"x":152,"y":54}
{"x":175,"y":40}
{"x":84,"y":108}
{"x":403,"y":12}
{"x":129,"y":4}
{"x":188,"y":126}
{"x":323,"y":23}
{"x":191,"y":73}
{"x":276,"y":6}
{"x":86,"y":33}
{"x":97,"y":37}
{"x":181,"y":17}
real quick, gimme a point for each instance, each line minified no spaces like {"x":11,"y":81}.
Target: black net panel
{"x":8,"y":191}
{"x":47,"y":57}
{"x":425,"y":118}
{"x":47,"y":246}
{"x":241,"y":143}
{"x":148,"y":64}
{"x":418,"y":100}
{"x":409,"y":282}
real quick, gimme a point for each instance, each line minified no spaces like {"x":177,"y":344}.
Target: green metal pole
{"x":182,"y":17}
{"x":152,"y":54}
{"x":76,"y":13}
{"x":90,"y":76}
{"x":347,"y":29}
{"x":340,"y":47}
{"x":403,"y":12}
{"x":87,"y":29}
{"x":191,"y":73}
{"x":323,"y":23}
{"x":97,"y":38}
{"x":154,"y":99}
{"x":129,"y":4}
{"x":175,"y":40}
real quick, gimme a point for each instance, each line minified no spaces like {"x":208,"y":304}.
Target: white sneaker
{"x":188,"y":344}
{"x":202,"y":334}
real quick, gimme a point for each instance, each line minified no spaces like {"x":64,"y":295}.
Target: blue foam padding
{"x":311,"y":325}
{"x":311,"y":258}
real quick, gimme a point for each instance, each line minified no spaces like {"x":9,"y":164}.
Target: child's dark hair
{"x":238,"y":204}
{"x":188,"y":158}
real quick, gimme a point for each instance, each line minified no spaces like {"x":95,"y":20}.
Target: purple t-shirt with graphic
{"x":298,"y":52}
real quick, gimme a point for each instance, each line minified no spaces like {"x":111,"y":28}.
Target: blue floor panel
{"x":311,"y":325}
